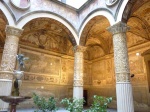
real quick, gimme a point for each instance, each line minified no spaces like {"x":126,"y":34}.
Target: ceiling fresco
{"x":139,"y":23}
{"x":99,"y":41}
{"x":3,"y":23}
{"x":51,"y":35}
{"x":47,"y":34}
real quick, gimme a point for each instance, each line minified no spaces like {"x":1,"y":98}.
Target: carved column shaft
{"x":8,"y":63}
{"x":78,"y":72}
{"x":123,"y":85}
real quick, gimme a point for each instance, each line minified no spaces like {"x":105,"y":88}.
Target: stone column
{"x":8,"y":63}
{"x":78,"y":72}
{"x":123,"y":84}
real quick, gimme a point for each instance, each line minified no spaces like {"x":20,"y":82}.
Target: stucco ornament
{"x":21,"y":4}
{"x":111,"y":2}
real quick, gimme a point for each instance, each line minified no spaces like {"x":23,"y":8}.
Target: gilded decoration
{"x":120,"y":51}
{"x":10,"y":48}
{"x":78,"y":66}
{"x":122,"y":77}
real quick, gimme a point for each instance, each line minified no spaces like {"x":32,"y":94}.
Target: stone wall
{"x":50,"y":74}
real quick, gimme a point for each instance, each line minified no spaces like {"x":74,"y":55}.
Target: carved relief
{"x":120,"y":51}
{"x":111,"y":2}
{"x":10,"y":48}
{"x":123,"y":77}
{"x":78,"y":65}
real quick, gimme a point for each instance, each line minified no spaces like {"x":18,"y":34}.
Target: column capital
{"x":10,"y":30}
{"x":119,"y":27}
{"x":79,"y":48}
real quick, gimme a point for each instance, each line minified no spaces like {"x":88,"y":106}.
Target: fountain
{"x":15,"y":99}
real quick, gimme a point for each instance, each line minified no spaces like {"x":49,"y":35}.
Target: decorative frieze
{"x":41,"y":78}
{"x":6,"y":75}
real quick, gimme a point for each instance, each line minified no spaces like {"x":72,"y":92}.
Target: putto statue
{"x":18,"y":74}
{"x":21,"y":59}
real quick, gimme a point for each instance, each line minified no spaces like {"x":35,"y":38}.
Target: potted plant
{"x":44,"y":105}
{"x":100,"y":104}
{"x":73,"y":104}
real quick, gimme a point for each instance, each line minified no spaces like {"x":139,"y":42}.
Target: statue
{"x":21,"y":59}
{"x":15,"y":99}
{"x":18,"y":73}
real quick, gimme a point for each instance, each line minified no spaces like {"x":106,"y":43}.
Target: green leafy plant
{"x":73,"y":104}
{"x":43,"y":104}
{"x":100,"y":104}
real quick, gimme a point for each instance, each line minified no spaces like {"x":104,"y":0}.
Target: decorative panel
{"x":102,"y":72}
{"x":41,"y":63}
{"x":67,"y":71}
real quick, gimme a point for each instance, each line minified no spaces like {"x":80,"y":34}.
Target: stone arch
{"x":96,"y":37}
{"x":121,"y":10}
{"x":8,"y":14}
{"x":28,"y":17}
{"x":130,"y":8}
{"x":103,"y":12}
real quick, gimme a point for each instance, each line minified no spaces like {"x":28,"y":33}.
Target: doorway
{"x":85,"y":95}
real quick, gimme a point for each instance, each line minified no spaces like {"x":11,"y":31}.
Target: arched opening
{"x":138,"y":41}
{"x":98,"y":66}
{"x":3,"y":23}
{"x":48,"y":45}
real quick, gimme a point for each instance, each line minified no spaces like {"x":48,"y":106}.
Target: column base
{"x":78,"y":92}
{"x":124,"y":97}
{"x":5,"y":90}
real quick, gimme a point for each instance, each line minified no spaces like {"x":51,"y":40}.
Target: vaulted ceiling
{"x":99,"y":41}
{"x":51,"y":35}
{"x":3,"y":22}
{"x":47,"y":34}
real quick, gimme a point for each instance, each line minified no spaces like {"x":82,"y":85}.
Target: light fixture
{"x":42,"y":87}
{"x":137,"y":54}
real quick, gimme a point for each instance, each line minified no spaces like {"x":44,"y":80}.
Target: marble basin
{"x":14,"y":99}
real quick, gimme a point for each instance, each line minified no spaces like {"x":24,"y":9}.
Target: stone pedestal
{"x":78,"y":72}
{"x":123,"y":84}
{"x":8,"y":63}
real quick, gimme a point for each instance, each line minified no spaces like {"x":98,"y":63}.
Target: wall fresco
{"x":41,"y":63}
